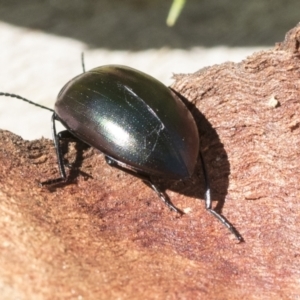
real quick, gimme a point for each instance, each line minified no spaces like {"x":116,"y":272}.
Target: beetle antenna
{"x":24,"y":99}
{"x":82,"y":62}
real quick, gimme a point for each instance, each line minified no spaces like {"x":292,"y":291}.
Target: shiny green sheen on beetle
{"x":138,"y":123}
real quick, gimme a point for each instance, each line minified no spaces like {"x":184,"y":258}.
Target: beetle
{"x":141,"y":126}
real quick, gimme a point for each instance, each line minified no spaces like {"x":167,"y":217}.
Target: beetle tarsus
{"x":52,"y":182}
{"x":226,"y":223}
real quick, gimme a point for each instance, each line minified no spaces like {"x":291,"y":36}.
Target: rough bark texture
{"x":105,"y":235}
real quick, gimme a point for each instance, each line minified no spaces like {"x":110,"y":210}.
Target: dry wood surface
{"x":106,"y":235}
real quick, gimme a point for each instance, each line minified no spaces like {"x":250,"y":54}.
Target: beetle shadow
{"x":75,"y":166}
{"x":215,"y":160}
{"x":72,"y":164}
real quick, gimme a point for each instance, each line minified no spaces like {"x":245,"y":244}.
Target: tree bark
{"x":106,"y":235}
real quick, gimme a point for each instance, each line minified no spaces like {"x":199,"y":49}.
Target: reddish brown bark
{"x":108,"y":236}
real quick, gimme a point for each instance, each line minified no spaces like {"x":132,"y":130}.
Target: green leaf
{"x":175,"y":11}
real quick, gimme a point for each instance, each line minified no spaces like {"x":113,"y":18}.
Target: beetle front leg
{"x":59,"y":154}
{"x":146,"y":179}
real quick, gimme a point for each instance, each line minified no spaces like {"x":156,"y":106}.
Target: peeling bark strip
{"x":107,"y":236}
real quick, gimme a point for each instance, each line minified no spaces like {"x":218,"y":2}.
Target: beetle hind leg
{"x":208,"y":204}
{"x":223,"y":220}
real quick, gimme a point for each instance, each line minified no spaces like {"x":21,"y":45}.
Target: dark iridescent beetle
{"x":138,"y":123}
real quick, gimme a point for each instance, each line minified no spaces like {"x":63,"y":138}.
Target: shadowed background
{"x":41,"y":42}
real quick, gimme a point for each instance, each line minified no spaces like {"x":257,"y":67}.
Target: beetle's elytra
{"x":138,"y":123}
{"x":133,"y":118}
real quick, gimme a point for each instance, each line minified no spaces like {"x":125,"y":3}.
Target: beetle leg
{"x":61,"y":166}
{"x":146,"y":179}
{"x":208,"y":204}
{"x":161,"y":195}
